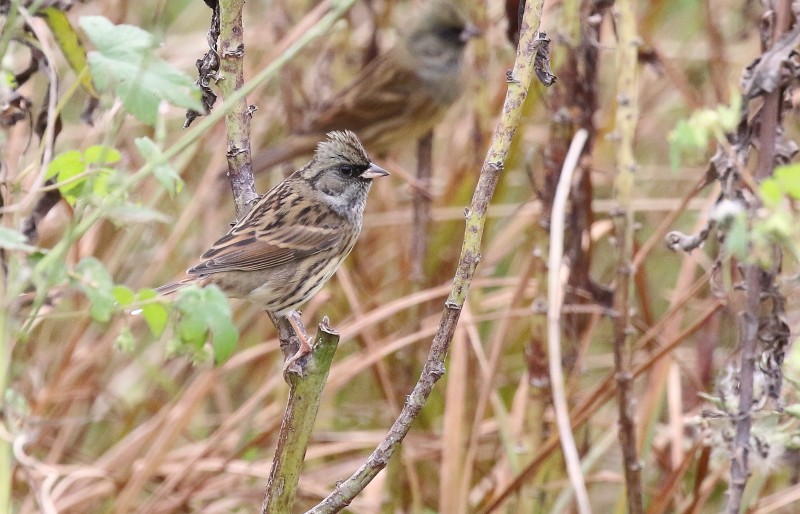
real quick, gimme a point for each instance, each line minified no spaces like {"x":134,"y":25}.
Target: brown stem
{"x":237,"y":119}
{"x":422,"y":210}
{"x":756,"y":281}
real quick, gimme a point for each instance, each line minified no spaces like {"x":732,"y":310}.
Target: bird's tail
{"x":167,"y":289}
{"x":171,"y":288}
{"x":285,"y":151}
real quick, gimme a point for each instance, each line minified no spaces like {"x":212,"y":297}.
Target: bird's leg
{"x":305,"y":343}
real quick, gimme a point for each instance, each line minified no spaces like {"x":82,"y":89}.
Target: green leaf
{"x":70,"y":44}
{"x":13,"y":240}
{"x":125,"y":63}
{"x":155,"y":313}
{"x":192,"y":330}
{"x":691,"y":137}
{"x":165,"y":174}
{"x":101,"y":154}
{"x":65,"y":165}
{"x":204,"y":310}
{"x":145,"y":294}
{"x":123,"y":295}
{"x":770,"y":192}
{"x":96,"y":283}
{"x":70,"y":172}
{"x":156,"y":316}
{"x":218,"y":312}
{"x":789,"y":179}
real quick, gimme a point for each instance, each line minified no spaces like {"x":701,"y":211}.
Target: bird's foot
{"x":294,"y":364}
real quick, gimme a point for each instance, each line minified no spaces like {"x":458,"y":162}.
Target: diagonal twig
{"x":519,"y":80}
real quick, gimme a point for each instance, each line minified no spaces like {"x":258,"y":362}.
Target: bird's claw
{"x":296,"y":363}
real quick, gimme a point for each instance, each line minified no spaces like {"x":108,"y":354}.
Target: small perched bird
{"x":294,"y":238}
{"x":400,"y":96}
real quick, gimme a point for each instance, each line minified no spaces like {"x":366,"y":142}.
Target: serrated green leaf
{"x":13,"y":240}
{"x":123,"y":295}
{"x":96,"y":283}
{"x":125,"y":63}
{"x":116,"y":39}
{"x":125,"y":341}
{"x":156,"y":316}
{"x":164,"y":172}
{"x":70,"y":44}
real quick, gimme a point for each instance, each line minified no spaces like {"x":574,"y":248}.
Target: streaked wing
{"x":380,"y":92}
{"x":254,"y":248}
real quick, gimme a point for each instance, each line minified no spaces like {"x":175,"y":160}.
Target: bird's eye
{"x":348,"y":171}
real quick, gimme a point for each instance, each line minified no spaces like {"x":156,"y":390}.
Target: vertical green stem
{"x":627,"y":46}
{"x":298,"y":423}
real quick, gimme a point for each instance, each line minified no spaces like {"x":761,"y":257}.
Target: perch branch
{"x":298,"y":422}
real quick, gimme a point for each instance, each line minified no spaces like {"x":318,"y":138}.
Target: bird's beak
{"x":374,"y":171}
{"x":469,"y":32}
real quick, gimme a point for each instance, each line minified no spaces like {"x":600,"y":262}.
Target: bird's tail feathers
{"x":167,"y":289}
{"x":171,"y":288}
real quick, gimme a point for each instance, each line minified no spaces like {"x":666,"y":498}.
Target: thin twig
{"x":555,"y":298}
{"x":519,"y":80}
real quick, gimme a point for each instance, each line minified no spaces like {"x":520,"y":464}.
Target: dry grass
{"x":107,"y":431}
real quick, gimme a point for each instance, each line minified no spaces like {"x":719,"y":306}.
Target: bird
{"x":400,"y":96}
{"x":296,"y":235}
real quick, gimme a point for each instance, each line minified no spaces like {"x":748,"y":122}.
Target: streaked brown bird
{"x":296,"y":236}
{"x":399,"y":96}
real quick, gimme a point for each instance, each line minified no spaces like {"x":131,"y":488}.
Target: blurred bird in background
{"x":397,"y":98}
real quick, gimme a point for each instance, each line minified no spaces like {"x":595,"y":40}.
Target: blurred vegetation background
{"x":104,"y":423}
